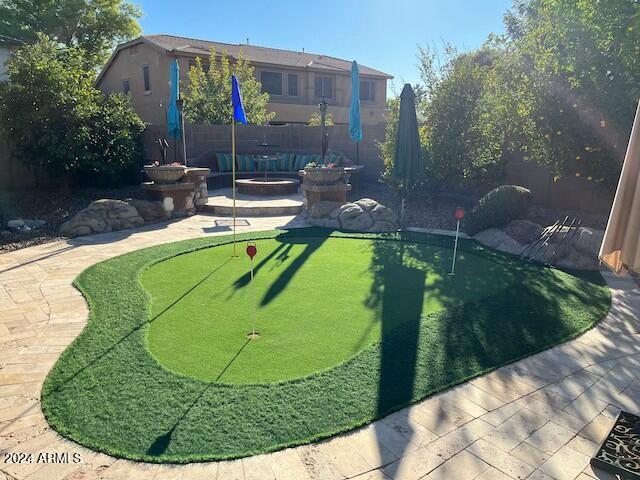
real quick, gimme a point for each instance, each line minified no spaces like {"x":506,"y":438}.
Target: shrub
{"x":498,"y":207}
{"x":57,"y":120}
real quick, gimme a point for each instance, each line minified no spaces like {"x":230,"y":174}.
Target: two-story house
{"x":295,"y":81}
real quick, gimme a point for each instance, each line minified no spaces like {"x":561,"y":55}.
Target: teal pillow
{"x":284,"y":162}
{"x":300,"y":161}
{"x":272,"y":162}
{"x":245,"y":163}
{"x":224,"y":162}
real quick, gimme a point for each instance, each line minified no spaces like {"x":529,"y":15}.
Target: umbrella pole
{"x":184,"y":137}
{"x":233,"y":180}
{"x":357,"y":153}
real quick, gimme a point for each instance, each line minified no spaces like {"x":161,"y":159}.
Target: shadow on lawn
{"x":282,"y":253}
{"x":420,"y":354}
{"x":161,"y":444}
{"x":138,"y":327}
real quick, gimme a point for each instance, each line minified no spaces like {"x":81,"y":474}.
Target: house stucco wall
{"x":128,"y":65}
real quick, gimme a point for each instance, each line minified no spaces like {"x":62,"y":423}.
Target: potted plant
{"x":325,"y":174}
{"x":164,"y":173}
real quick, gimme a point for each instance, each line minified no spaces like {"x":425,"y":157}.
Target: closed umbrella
{"x":174,"y":118}
{"x":620,"y":248}
{"x":355,"y":129}
{"x":407,"y":159}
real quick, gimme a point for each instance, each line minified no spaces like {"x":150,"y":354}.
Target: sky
{"x":379,"y":34}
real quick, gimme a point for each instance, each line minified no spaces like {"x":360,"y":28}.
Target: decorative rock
{"x":150,"y":211}
{"x":496,"y":238}
{"x":15,"y":224}
{"x":102,"y":216}
{"x":523,"y":231}
{"x":366,"y":204}
{"x":364,"y":215}
{"x":588,"y":241}
{"x":323,"y":208}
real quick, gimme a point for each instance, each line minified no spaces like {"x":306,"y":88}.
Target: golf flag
{"x":236,"y":100}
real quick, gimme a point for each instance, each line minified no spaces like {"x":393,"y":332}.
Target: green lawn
{"x":352,"y":328}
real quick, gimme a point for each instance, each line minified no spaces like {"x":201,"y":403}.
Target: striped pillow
{"x":224,"y":162}
{"x":284,"y":161}
{"x":301,"y":161}
{"x":245,"y":163}
{"x":272,"y":162}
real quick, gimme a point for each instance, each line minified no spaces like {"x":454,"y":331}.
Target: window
{"x":367,"y":91}
{"x":271,"y":82}
{"x":145,"y":74}
{"x":324,"y":87}
{"x":292,"y":85}
{"x":125,"y":86}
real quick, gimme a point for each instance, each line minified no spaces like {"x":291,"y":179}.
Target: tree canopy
{"x":559,"y":88}
{"x":95,"y":26}
{"x":208,"y":93}
{"x":57,"y":120}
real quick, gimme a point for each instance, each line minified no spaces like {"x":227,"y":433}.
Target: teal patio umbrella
{"x":175,"y":122}
{"x":407,"y":163}
{"x":355,"y":128}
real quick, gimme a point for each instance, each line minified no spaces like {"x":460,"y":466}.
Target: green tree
{"x":95,"y":26}
{"x":207,"y":99}
{"x":578,"y":83}
{"x":56,"y":119}
{"x":315,"y":120}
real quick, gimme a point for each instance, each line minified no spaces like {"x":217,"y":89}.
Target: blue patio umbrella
{"x":355,"y":128}
{"x":175,"y":122}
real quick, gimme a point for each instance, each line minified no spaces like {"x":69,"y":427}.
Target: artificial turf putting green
{"x":353,"y":326}
{"x":317,"y":302}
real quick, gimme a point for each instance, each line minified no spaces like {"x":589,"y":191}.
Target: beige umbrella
{"x":620,"y":248}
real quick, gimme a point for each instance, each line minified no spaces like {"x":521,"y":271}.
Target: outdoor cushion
{"x":285,"y":161}
{"x":224,"y":162}
{"x":301,"y":161}
{"x":273,"y":165}
{"x":245,"y":163}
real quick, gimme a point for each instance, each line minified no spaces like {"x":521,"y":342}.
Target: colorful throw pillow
{"x":224,"y":162}
{"x":245,"y":163}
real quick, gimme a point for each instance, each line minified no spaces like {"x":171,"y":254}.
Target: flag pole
{"x":233,"y":180}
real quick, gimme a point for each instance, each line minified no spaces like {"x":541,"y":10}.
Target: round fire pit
{"x":267,"y":186}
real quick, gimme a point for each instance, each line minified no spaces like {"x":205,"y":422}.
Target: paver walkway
{"x":539,"y":418}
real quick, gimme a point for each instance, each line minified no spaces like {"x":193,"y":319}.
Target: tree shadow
{"x":162,"y":442}
{"x":282,"y":253}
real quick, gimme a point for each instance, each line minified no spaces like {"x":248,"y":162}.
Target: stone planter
{"x":164,"y":174}
{"x":325,"y":176}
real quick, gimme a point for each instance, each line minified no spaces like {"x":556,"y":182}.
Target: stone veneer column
{"x":198,"y":176}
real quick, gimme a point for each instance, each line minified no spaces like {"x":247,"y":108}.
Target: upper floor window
{"x":324,"y":87}
{"x":271,"y":82}
{"x":292,"y":85}
{"x":145,"y":74}
{"x":367,"y":91}
{"x":125,"y":86}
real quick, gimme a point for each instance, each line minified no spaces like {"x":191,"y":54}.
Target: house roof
{"x":252,"y":53}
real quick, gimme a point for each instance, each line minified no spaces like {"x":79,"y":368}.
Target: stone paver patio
{"x":539,"y":418}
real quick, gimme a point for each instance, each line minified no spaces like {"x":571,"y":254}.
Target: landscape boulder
{"x":523,"y":231}
{"x":364,"y":215}
{"x":498,"y":239}
{"x":102,"y":216}
{"x":149,"y":210}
